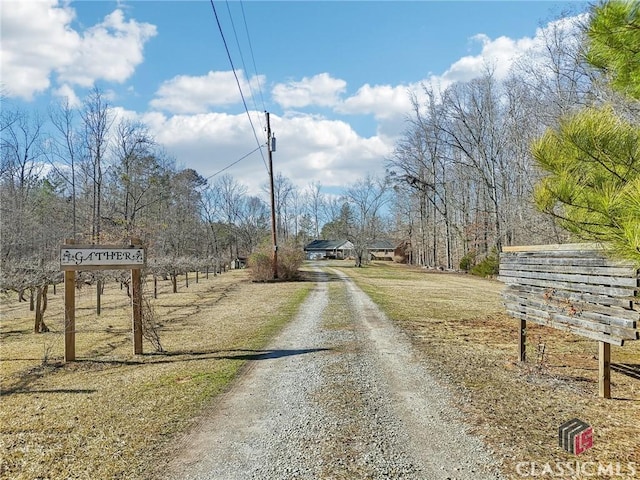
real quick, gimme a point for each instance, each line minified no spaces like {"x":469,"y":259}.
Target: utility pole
{"x":271,"y":147}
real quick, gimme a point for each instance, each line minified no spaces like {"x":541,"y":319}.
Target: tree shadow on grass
{"x":629,"y":369}
{"x":52,"y":390}
{"x":271,"y":354}
{"x":193,"y":356}
{"x":87,"y":364}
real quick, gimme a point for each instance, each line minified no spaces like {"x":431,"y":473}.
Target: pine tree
{"x":593,"y":182}
{"x":614,"y":44}
{"x":592,"y":159}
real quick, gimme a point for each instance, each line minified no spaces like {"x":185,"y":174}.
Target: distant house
{"x":341,"y":249}
{"x":328,"y":249}
{"x":382,"y":250}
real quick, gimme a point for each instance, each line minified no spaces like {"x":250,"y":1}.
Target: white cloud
{"x":322,"y":90}
{"x":311,"y":147}
{"x":209,"y":129}
{"x":383,"y":101}
{"x":110,"y":50}
{"x":308,"y":147}
{"x":329,"y":151}
{"x":498,"y":54}
{"x":38,"y":41}
{"x":197,"y":94}
{"x":65,"y":91}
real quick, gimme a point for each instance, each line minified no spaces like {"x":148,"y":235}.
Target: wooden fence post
{"x":604,"y":369}
{"x":522,"y":340}
{"x":69,"y":312}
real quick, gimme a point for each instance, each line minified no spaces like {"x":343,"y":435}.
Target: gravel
{"x":333,"y":402}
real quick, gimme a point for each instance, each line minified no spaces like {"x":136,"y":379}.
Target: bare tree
{"x":211,"y":206}
{"x":475,"y":131}
{"x":136,"y":178}
{"x":284,"y":193}
{"x":366,"y":198}
{"x":97,"y":118}
{"x":21,"y":154}
{"x":315,"y":201}
{"x":65,"y":150}
{"x":253,"y":223}
{"x":420,"y":162}
{"x":555,"y":73}
{"x":231,"y":195}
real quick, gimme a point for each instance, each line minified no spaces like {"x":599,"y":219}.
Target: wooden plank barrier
{"x":576,"y":288}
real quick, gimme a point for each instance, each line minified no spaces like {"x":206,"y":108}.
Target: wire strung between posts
{"x":255,"y":69}
{"x":232,"y":164}
{"x":244,"y":66}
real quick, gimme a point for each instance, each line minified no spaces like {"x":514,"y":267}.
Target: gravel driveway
{"x":339,"y":395}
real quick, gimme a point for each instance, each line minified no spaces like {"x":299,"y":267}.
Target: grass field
{"x":458,"y":324}
{"x":111,"y":413}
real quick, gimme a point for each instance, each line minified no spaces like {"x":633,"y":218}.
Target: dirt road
{"x":339,"y":395}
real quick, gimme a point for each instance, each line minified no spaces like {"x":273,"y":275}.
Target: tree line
{"x":471,"y":157}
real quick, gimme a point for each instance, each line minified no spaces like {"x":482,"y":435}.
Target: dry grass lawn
{"x":458,"y":323}
{"x":109,"y":414}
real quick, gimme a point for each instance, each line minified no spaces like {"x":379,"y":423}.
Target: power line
{"x":244,"y":102}
{"x":237,"y":161}
{"x":255,"y":69}
{"x":244,"y":66}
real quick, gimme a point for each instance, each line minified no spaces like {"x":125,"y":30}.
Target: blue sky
{"x":335,"y":75}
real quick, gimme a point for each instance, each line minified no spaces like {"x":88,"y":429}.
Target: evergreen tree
{"x":593,"y":182}
{"x":614,"y":44}
{"x":593,"y":157}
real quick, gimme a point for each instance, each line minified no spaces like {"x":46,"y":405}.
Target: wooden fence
{"x":576,"y":288}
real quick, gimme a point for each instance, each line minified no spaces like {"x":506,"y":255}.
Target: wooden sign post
{"x":69,"y":313}
{"x":100,"y":257}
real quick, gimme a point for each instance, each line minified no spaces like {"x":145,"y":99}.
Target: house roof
{"x":382,"y":245}
{"x":328,"y":245}
{"x":346,"y":244}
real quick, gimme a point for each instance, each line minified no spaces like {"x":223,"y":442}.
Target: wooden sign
{"x":576,"y":288}
{"x":101,"y":257}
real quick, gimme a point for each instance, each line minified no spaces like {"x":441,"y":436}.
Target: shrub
{"x":488,"y":267}
{"x":290,"y":258}
{"x":261,"y":266}
{"x":468,"y":261}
